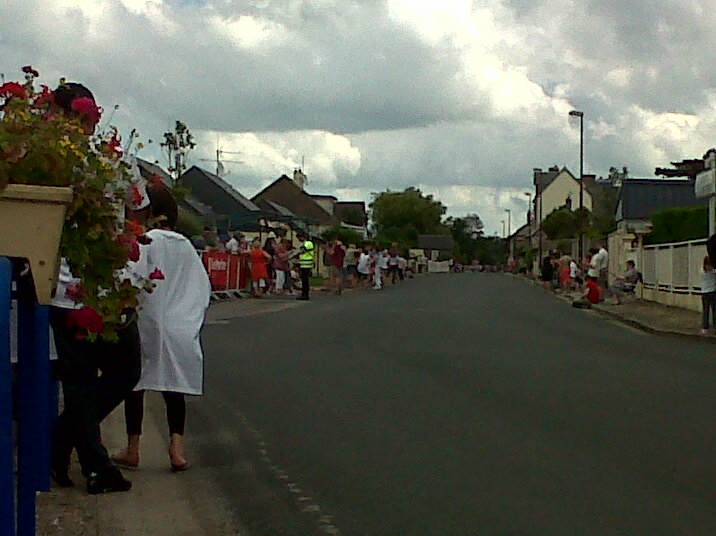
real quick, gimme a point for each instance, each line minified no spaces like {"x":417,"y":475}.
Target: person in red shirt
{"x":337,"y":254}
{"x":592,"y":294}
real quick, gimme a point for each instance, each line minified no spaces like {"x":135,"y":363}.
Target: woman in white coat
{"x":169,"y":321}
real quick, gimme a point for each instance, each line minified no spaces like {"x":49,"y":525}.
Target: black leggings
{"x":134,"y":412}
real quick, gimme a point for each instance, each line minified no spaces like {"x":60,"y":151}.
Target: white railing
{"x":673,"y":268}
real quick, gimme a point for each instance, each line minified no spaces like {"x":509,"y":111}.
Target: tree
{"x":177,"y":145}
{"x":561,"y":223}
{"x":347,"y":236}
{"x":402,"y":216}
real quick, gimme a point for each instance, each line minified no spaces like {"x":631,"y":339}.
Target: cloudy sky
{"x":462,"y":99}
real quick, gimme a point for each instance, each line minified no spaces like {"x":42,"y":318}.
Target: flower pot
{"x":31,"y":221}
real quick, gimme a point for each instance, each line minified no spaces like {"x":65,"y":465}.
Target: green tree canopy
{"x":402,"y":216}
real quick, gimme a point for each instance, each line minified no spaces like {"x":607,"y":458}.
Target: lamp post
{"x":503,"y":228}
{"x":575,"y":113}
{"x":509,"y":232}
{"x":529,"y":220}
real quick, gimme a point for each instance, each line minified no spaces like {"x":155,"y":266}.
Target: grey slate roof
{"x":640,"y":198}
{"x":214,"y":191}
{"x":440,"y":242}
{"x":190,"y":202}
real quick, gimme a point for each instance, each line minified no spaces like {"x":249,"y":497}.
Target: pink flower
{"x":12,"y":89}
{"x":88,"y":108}
{"x":156,"y":274}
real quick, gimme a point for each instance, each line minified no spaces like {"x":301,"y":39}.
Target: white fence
{"x":671,"y":273}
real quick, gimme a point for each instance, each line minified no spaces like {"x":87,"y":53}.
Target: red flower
{"x":46,"y":96}
{"x":131,"y":245}
{"x":86,"y":319}
{"x":115,"y":145}
{"x":156,"y":274}
{"x":135,"y":228}
{"x":88,"y":108}
{"x":27,"y":69}
{"x":137,"y":197}
{"x":12,"y":89}
{"x":75,"y":292}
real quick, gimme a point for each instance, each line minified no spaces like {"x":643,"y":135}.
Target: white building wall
{"x":555,"y":195}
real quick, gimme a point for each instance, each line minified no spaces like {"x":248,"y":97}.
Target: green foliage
{"x":561,"y":223}
{"x":347,"y":236}
{"x":188,"y":224}
{"x":41,"y":144}
{"x":679,"y":224}
{"x":403,"y":216}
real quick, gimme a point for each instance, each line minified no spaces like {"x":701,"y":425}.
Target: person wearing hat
{"x":305,"y":262}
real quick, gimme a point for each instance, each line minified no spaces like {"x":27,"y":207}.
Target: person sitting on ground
{"x":624,"y":283}
{"x":592,"y":294}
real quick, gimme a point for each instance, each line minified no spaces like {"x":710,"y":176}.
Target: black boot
{"x":107,"y":480}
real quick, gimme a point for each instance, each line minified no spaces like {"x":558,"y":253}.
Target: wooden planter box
{"x":31,"y":221}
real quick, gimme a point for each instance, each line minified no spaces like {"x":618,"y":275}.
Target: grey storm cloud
{"x":461,"y":98}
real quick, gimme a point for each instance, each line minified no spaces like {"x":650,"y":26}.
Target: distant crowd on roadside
{"x":561,"y":273}
{"x":273,"y":266}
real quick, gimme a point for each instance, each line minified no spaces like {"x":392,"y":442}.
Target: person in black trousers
{"x":89,"y":398}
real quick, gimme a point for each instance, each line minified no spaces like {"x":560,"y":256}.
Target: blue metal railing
{"x":28,"y":405}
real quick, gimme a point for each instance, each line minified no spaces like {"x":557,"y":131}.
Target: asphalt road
{"x":470,"y":404}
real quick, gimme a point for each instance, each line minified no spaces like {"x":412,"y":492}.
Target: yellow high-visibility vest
{"x":305,"y":258}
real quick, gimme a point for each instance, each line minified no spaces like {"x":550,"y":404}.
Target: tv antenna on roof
{"x":219,"y":161}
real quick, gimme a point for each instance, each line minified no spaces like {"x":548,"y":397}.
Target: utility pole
{"x":575,"y":113}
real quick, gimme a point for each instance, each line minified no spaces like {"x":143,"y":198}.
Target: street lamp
{"x":575,"y":113}
{"x":503,"y":228}
{"x":529,"y":218}
{"x":509,"y":231}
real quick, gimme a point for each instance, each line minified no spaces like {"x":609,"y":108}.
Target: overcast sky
{"x":462,"y":99}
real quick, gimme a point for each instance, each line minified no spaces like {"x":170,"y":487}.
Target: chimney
{"x":299,"y":178}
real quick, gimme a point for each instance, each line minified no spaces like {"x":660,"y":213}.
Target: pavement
{"x":191,"y":507}
{"x":645,"y":315}
{"x":181,"y":503}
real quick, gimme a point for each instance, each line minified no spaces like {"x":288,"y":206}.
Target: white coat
{"x":170,"y":317}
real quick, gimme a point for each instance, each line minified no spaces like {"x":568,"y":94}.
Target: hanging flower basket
{"x":62,"y":189}
{"x":31,"y":219}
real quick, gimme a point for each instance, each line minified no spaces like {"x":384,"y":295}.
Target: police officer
{"x":305,"y":262}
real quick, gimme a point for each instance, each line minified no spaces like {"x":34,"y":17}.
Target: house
{"x":556,"y":188}
{"x":640,"y":198}
{"x":189,"y":203}
{"x":231,"y":209}
{"x":435,"y":245}
{"x":292,"y":197}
